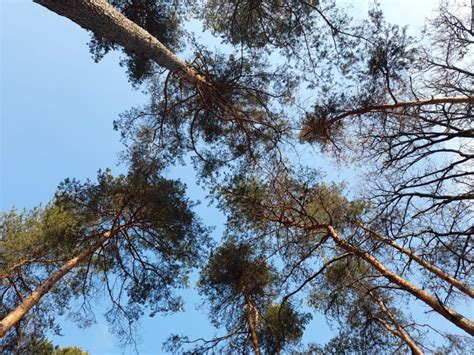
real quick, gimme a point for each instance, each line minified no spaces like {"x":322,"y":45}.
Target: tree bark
{"x":415,"y":350}
{"x":252,"y":322}
{"x":105,"y":21}
{"x":448,"y":313}
{"x":428,"y":266}
{"x":30,"y":301}
{"x":400,"y":331}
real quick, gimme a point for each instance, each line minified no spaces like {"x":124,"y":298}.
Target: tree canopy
{"x":288,"y":84}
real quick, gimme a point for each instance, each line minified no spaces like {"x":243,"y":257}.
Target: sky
{"x":57,"y":109}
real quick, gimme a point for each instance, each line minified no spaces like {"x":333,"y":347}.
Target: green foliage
{"x":351,"y":295}
{"x":41,"y":346}
{"x":38,"y":235}
{"x":301,"y":200}
{"x":69,"y":350}
{"x":281,"y":326}
{"x":235,"y":273}
{"x":33,"y":244}
{"x":156,"y":239}
{"x":328,"y":205}
{"x":238,"y":283}
{"x":342,"y":290}
{"x":227,"y":125}
{"x":342,"y":344}
{"x":161,"y":20}
{"x":238,"y":129}
{"x":456,"y":344}
{"x":377,"y":70}
{"x":257,"y":24}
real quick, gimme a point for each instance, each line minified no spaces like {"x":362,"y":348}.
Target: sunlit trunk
{"x":448,"y":313}
{"x":428,"y":266}
{"x":252,"y":322}
{"x":30,"y":301}
{"x":399,"y":332}
{"x":107,"y":22}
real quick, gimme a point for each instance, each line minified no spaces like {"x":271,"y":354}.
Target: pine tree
{"x":399,"y":105}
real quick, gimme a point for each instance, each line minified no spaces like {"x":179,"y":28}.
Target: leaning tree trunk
{"x":30,"y":301}
{"x":400,"y":332}
{"x":404,"y":105}
{"x":428,"y":266}
{"x":105,"y":21}
{"x":415,"y":350}
{"x":448,"y":313}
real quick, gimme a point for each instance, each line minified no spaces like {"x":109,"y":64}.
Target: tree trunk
{"x":448,"y":313}
{"x":405,"y":104}
{"x":252,"y":322}
{"x":30,"y":301}
{"x":400,"y":331}
{"x":415,"y":350}
{"x":105,"y":21}
{"x":428,"y":266}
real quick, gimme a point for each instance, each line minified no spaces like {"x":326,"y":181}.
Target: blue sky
{"x":57,"y":108}
{"x":57,"y":104}
{"x":57,"y":111}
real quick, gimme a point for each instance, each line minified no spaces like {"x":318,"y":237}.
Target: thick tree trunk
{"x":105,"y":21}
{"x":448,"y":313}
{"x":428,"y":266}
{"x":30,"y":301}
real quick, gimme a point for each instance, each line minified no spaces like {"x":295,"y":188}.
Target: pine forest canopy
{"x":282,"y":78}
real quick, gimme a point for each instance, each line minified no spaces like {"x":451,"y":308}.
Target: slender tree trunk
{"x":252,"y":322}
{"x":448,"y":313}
{"x":30,"y":301}
{"x":400,"y":331}
{"x":428,"y":266}
{"x":405,"y":104}
{"x":105,"y":21}
{"x":415,"y":350}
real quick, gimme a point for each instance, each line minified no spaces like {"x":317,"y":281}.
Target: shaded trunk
{"x":415,"y":350}
{"x":400,"y":332}
{"x":30,"y":301}
{"x":428,"y":266}
{"x":405,"y":104}
{"x":448,"y":313}
{"x":252,"y":322}
{"x":105,"y":21}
